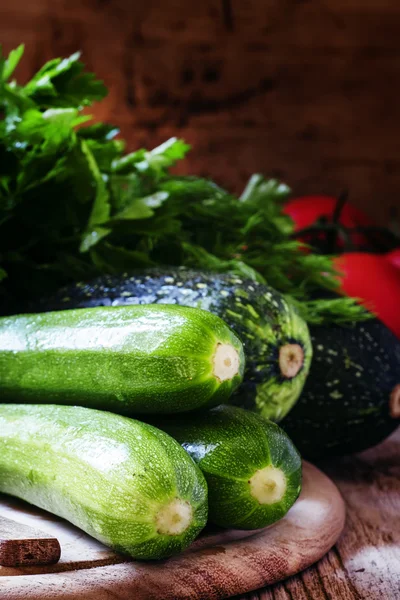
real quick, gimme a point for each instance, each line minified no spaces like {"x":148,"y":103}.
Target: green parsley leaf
{"x":12,"y":62}
{"x":101,"y":132}
{"x":101,"y":206}
{"x":156,"y":162}
{"x":141,"y":208}
{"x":113,"y":259}
{"x":62,"y":83}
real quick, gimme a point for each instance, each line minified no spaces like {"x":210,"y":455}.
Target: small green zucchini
{"x":126,"y":483}
{"x":252,"y":469}
{"x":127,"y":359}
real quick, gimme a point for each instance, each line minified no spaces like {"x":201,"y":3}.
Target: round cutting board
{"x":218,"y":565}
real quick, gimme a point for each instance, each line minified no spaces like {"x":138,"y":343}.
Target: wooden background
{"x":307,"y":90}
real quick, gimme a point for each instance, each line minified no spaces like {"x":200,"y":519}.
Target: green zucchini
{"x":126,"y":483}
{"x":252,"y":469}
{"x":127,"y":359}
{"x":276,"y":339}
{"x":351,"y":400}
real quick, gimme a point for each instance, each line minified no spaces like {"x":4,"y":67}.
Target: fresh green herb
{"x":73,"y":204}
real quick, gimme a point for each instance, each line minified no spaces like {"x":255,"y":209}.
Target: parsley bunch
{"x":74,"y":204}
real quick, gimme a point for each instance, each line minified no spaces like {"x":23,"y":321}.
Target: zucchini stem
{"x":291,"y":360}
{"x":226,"y":362}
{"x":394,"y":402}
{"x":175,"y":517}
{"x":268,"y":485}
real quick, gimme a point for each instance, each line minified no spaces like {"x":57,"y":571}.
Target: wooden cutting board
{"x":21,"y":545}
{"x":218,"y":565}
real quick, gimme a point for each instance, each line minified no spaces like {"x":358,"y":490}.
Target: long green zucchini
{"x":126,"y":483}
{"x":276,"y":339}
{"x":127,"y":359}
{"x":253,"y":470}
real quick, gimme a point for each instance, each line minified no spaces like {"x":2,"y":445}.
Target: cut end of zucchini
{"x":394,"y":403}
{"x":268,"y":485}
{"x":226,"y":362}
{"x":291,"y":360}
{"x":175,"y":517}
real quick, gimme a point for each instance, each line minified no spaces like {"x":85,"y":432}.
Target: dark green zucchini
{"x":252,"y":469}
{"x":276,"y":339}
{"x":126,"y":483}
{"x":351,"y":399}
{"x":128,"y":359}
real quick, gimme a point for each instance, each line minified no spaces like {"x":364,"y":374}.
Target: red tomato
{"x":394,"y":257}
{"x":375,"y":281}
{"x":305,"y":211}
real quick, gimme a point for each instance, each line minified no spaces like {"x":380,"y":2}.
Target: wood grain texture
{"x":204,"y":572}
{"x":365,"y":562}
{"x":301,"y":89}
{"x":81,"y":551}
{"x":21,"y":545}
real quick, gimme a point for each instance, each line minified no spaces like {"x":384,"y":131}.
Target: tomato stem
{"x":381,"y":239}
{"x":332,"y":235}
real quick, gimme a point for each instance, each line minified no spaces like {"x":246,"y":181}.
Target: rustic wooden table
{"x":365,"y":563}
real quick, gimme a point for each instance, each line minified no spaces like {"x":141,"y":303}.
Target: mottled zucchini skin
{"x":128,"y":359}
{"x":107,"y":474}
{"x":259,"y":315}
{"x":351,"y":400}
{"x":230,"y":444}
